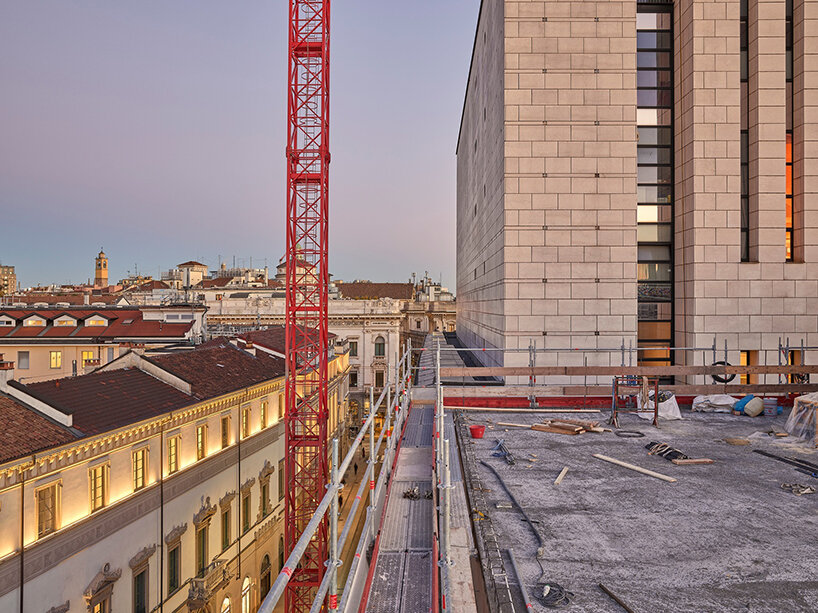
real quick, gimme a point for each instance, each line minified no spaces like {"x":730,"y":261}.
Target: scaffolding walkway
{"x":404,"y":564}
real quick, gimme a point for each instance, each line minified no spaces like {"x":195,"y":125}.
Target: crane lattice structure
{"x":307,"y":290}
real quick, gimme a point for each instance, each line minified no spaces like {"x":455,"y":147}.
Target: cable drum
{"x":726,"y":378}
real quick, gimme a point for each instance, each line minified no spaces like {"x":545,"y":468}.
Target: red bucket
{"x":477,"y":431}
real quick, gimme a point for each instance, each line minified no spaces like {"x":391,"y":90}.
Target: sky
{"x":156,"y":130}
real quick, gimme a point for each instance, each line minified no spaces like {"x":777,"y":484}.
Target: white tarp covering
{"x":669,"y":409}
{"x":715,"y":403}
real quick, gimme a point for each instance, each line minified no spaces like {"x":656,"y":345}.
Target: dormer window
{"x":65,"y":322}
{"x":96,"y":321}
{"x":6,"y":321}
{"x":34,"y":321}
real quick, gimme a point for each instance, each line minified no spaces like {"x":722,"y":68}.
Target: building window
{"x":225,"y":528}
{"x":225,"y":431}
{"x":748,"y":358}
{"x":98,"y":480}
{"x":65,"y":323}
{"x":745,"y":132}
{"x":140,"y":591}
{"x":110,"y":354}
{"x":173,"y":454}
{"x":263,"y":414}
{"x":225,"y":605}
{"x":23,"y":360}
{"x":265,"y":499}
{"x":280,"y":479}
{"x":96,"y":322}
{"x":139,"y":464}
{"x":201,"y":550}
{"x":417,"y":324}
{"x":47,"y":509}
{"x":245,"y":595}
{"x":34,"y":322}
{"x":280,"y":553}
{"x":380,"y":347}
{"x":245,"y":422}
{"x":101,"y":606}
{"x":174,"y":567}
{"x":790,"y":106}
{"x":379,"y":378}
{"x":87,"y":356}
{"x":56,"y":359}
{"x":353,"y":349}
{"x":353,"y":378}
{"x":654,"y":117}
{"x":265,"y":577}
{"x":281,"y":407}
{"x":201,"y":441}
{"x":245,"y":512}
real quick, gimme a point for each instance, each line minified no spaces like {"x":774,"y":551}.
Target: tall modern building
{"x":8,"y":280}
{"x":640,"y":172}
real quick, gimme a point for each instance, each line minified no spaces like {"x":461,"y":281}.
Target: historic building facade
{"x":639,"y":173}
{"x":152,"y":483}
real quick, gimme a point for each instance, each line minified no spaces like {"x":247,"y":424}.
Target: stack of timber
{"x":559,"y":426}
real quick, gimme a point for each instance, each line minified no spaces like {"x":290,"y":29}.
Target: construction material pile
{"x":559,"y":426}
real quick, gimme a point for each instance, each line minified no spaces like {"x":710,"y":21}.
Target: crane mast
{"x":307,"y":336}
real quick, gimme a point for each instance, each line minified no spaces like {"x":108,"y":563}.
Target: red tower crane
{"x":308,"y":159}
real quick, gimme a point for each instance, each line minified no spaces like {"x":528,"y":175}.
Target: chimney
{"x":250,"y":348}
{"x":6,"y":372}
{"x":89,"y":366}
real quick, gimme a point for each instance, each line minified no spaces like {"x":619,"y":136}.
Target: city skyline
{"x":174,"y":150}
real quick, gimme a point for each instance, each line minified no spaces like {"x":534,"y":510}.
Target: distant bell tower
{"x":101,"y":271}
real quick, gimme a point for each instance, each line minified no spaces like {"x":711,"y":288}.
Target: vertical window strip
{"x":745,"y":133}
{"x":790,"y":116}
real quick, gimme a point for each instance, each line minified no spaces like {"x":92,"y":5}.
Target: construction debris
{"x":501,"y":451}
{"x":616,"y":598}
{"x":554,"y":595}
{"x":666,"y":451}
{"x":629,"y":433}
{"x":736,"y":441}
{"x":804,"y":466}
{"x":687,"y":461}
{"x":638,"y":469}
{"x":559,"y":426}
{"x":561,"y":476}
{"x":798,"y":489}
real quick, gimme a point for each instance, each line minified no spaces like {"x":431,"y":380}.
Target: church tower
{"x":101,"y":271}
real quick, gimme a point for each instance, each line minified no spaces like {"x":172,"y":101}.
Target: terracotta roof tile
{"x":220,"y":368}
{"x":25,"y":431}
{"x":107,"y":400}
{"x":273,"y":338}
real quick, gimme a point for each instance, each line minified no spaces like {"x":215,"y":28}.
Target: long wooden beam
{"x":646,"y":371}
{"x":522,"y":391}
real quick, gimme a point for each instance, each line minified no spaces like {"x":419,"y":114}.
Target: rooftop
{"x":107,"y":400}
{"x":360,"y":290}
{"x":723,"y":537}
{"x":26,"y":431}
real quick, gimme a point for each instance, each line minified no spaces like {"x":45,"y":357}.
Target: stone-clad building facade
{"x":639,"y":172}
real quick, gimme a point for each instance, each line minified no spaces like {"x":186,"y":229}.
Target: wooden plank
{"x":561,"y":476}
{"x":544,"y":428}
{"x":692,"y":461}
{"x":647,"y":371}
{"x":521,"y":410}
{"x":505,"y":424}
{"x":605,"y":390}
{"x":638,"y":469}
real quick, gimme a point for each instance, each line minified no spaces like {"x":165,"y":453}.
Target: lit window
{"x":47,"y":510}
{"x":173,"y":454}
{"x":98,"y":477}
{"x":226,"y":528}
{"x":245,"y":512}
{"x":65,"y":323}
{"x":140,"y":460}
{"x":245,"y":422}
{"x":225,"y":431}
{"x":96,"y":322}
{"x":245,"y":595}
{"x":201,"y":441}
{"x":56,"y":359}
{"x":225,"y":605}
{"x":281,"y":407}
{"x":280,"y":479}
{"x":34,"y":322}
{"x":87,"y":356}
{"x":263,"y":414}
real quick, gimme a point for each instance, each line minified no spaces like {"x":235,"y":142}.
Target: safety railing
{"x":396,"y":406}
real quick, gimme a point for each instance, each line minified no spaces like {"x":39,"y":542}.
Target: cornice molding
{"x":142,"y":556}
{"x":175,"y":534}
{"x":204,"y":514}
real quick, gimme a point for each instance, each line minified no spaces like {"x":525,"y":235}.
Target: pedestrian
{"x":340,"y":501}
{"x":355,"y":468}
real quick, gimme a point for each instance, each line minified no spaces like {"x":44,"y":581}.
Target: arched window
{"x":280,"y":552}
{"x":265,"y":577}
{"x":225,"y":605}
{"x":380,"y":347}
{"x":245,"y":595}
